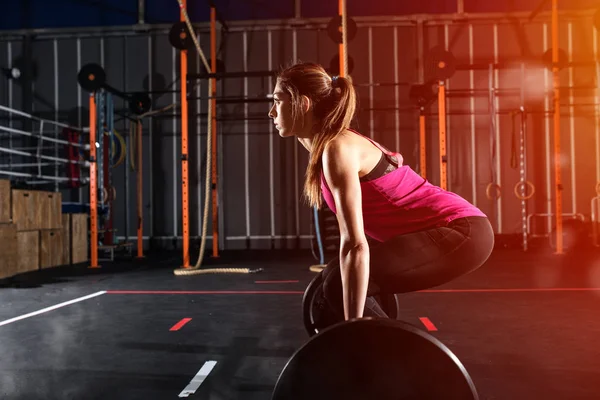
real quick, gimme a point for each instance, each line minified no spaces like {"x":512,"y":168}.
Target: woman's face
{"x":281,"y":112}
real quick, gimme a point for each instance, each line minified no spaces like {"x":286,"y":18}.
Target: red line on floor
{"x":276,"y":281}
{"x":202,"y":292}
{"x":522,"y":290}
{"x":516,"y":290}
{"x":428,"y":324}
{"x":180,"y":324}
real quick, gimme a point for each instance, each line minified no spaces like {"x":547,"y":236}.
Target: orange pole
{"x":442,"y":139}
{"x":93,"y":185}
{"x":213,"y":67}
{"x":557,"y":171}
{"x":341,"y":46}
{"x":422,"y":145}
{"x":140,"y":193}
{"x":184,"y":154}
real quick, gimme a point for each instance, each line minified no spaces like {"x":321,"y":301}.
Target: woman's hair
{"x":334,"y":103}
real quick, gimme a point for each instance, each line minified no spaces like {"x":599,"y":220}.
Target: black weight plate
{"x":139,"y":103}
{"x":440,"y":64}
{"x":91,"y":77}
{"x":312,"y":292}
{"x":334,"y":29}
{"x":547,"y":59}
{"x":179,"y":36}
{"x":313,"y":306}
{"x":374,"y":359}
{"x":424,"y":95}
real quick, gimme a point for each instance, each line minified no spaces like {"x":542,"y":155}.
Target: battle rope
{"x":195,"y":270}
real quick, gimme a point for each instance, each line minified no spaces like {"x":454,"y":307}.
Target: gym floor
{"x":525,"y":326}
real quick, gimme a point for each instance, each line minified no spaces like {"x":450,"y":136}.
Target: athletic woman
{"x":424,"y":236}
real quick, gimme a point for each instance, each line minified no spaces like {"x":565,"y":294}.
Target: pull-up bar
{"x":220,"y":75}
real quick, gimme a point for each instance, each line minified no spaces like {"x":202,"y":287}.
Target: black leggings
{"x":416,"y":261}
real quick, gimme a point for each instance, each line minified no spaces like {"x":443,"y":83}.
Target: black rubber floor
{"x":525,"y":326}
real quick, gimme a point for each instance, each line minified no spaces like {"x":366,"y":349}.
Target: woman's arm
{"x":341,"y":169}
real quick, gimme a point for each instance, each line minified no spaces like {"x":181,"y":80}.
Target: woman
{"x":425,"y":236}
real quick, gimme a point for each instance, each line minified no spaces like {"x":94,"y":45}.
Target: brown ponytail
{"x":334,"y":104}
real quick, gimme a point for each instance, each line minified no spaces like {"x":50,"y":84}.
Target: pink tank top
{"x":402,"y":202}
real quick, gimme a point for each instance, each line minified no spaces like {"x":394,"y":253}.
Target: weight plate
{"x":91,"y":77}
{"x":334,"y":29}
{"x":547,"y":59}
{"x":139,"y":103}
{"x":440,"y":64}
{"x":315,"y":313}
{"x":179,"y":36}
{"x":374,"y":359}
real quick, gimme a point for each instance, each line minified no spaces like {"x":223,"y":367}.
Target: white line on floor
{"x":66,"y":303}
{"x":198,"y":379}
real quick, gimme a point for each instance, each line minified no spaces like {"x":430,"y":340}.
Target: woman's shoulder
{"x":340,"y":146}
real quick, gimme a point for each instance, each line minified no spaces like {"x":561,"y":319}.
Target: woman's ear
{"x":306,"y":104}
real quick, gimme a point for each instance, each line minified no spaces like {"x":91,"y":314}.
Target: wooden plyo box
{"x":51,"y":248}
{"x":35,"y":210}
{"x":26,"y":210}
{"x":66,"y":239}
{"x":51,"y":209}
{"x":79,"y":238}
{"x":9,"y":251}
{"x":5,"y":202}
{"x":75,"y":238}
{"x":28,"y":251}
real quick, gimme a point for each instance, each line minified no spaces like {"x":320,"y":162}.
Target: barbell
{"x":313,"y":307}
{"x":374,"y":359}
{"x":92,"y":78}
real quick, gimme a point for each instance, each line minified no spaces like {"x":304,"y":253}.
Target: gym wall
{"x":42,"y":14}
{"x":261,"y":175}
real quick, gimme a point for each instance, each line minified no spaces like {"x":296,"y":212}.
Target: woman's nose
{"x":272,"y":112}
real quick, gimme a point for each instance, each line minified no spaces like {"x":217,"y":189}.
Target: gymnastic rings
{"x":488,"y":191}
{"x":110,"y":196}
{"x":122,"y":149}
{"x":527,"y":184}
